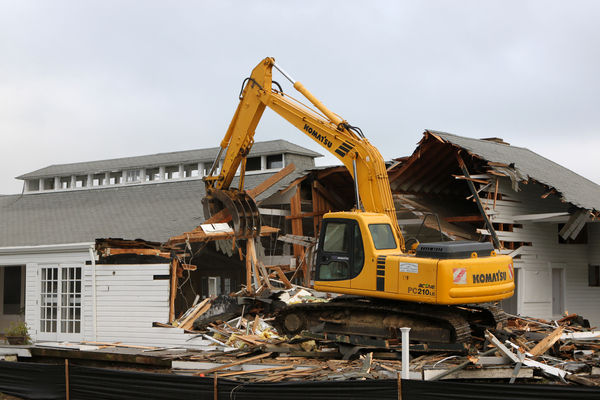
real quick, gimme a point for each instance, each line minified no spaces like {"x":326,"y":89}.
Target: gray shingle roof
{"x":574,"y":188}
{"x":178,"y":157}
{"x":154,"y":212}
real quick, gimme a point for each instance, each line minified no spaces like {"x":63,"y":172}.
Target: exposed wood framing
{"x":399,"y":171}
{"x":317,"y":206}
{"x":305,"y":215}
{"x":329,"y":195}
{"x":198,"y":235}
{"x":296,"y":208}
{"x":173,"y":290}
{"x":488,"y":223}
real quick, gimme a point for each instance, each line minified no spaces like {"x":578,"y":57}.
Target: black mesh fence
{"x":41,"y":381}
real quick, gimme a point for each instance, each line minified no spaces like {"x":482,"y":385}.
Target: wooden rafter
{"x":488,"y":223}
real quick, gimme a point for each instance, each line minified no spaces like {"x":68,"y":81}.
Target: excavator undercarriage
{"x":375,"y":318}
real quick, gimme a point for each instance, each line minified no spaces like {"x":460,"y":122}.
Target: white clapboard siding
{"x":545,"y":252}
{"x":128,"y":300}
{"x":31,"y":296}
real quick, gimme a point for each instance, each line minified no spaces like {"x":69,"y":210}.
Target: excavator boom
{"x":335,"y":135}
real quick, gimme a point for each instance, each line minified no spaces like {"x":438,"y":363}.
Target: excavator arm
{"x":363,"y":160}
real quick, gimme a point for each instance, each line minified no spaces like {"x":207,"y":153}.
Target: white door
{"x":558,"y":289}
{"x":60,"y":303}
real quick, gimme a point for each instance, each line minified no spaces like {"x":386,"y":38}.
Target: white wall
{"x":35,"y":257}
{"x":537,"y":261}
{"x":128,"y":300}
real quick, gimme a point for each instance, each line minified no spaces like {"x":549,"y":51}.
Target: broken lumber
{"x":225,"y":366}
{"x":547,"y":342}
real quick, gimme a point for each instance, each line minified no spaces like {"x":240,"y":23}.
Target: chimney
{"x":496,"y":140}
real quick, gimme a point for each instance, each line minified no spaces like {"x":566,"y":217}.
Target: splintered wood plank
{"x":173,"y":290}
{"x":198,"y":311}
{"x":256,"y":371}
{"x":271,"y":181}
{"x":547,"y":342}
{"x":282,"y":277}
{"x":225,"y":366}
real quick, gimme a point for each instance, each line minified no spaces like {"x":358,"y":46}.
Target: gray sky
{"x":91,"y":80}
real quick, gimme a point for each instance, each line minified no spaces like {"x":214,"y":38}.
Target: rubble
{"x":250,"y":349}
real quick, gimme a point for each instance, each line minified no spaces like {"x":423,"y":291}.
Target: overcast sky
{"x":92,"y":80}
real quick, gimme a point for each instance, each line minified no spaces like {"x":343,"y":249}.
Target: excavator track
{"x":376,"y":318}
{"x":486,"y":315}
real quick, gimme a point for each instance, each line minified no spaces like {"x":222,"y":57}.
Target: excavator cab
{"x":341,"y":254}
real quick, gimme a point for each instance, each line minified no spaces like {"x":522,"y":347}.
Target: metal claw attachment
{"x":242,"y":207}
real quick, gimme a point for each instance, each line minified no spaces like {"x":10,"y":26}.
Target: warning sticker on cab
{"x":412,"y":268}
{"x":460,"y":276}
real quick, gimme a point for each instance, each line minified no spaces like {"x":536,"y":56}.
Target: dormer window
{"x":157,"y":168}
{"x":275,"y":161}
{"x":134,"y":175}
{"x":253,"y":164}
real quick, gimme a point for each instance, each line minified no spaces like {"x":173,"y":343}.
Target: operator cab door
{"x":341,"y":255}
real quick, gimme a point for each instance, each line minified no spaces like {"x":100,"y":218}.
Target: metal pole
{"x":284,"y":73}
{"x":405,"y":347}
{"x":356,"y":194}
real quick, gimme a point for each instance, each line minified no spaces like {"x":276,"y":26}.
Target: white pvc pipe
{"x":405,"y":350}
{"x":93,"y":259}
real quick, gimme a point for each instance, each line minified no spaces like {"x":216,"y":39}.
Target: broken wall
{"x":551,"y":277}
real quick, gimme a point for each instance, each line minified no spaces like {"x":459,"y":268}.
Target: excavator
{"x":440,"y":290}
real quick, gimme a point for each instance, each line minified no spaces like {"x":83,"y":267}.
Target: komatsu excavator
{"x":440,"y":290}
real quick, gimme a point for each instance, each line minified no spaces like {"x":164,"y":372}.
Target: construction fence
{"x":43,"y":381}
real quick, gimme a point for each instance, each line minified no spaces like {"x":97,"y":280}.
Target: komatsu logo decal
{"x":321,"y":138}
{"x":489,"y":278}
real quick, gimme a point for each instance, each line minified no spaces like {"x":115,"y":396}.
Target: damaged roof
{"x":573,"y":188}
{"x":154,"y":212}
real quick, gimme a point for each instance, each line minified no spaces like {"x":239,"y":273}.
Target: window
{"x":336,"y":238}
{"x":65,"y":182}
{"x":48,"y":184}
{"x":253,"y":164}
{"x":152,"y":174}
{"x":383,"y":237}
{"x":60,"y":300}
{"x":359,"y":252}
{"x":80,"y":181}
{"x":33,"y":185}
{"x":275,"y":161}
{"x":98,"y":179}
{"x":134,"y":175}
{"x":593,"y":275}
{"x":190,"y":170}
{"x":172,"y":172}
{"x":115,"y":178}
{"x":229,"y":285}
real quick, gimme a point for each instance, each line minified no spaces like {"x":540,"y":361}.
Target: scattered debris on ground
{"x":247,"y":347}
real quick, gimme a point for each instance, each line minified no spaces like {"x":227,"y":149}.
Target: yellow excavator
{"x":440,"y":290}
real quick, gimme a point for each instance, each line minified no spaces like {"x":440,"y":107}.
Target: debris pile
{"x":249,"y":348}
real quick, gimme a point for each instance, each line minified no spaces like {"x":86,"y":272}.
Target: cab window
{"x":383,"y":237}
{"x":336,"y":238}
